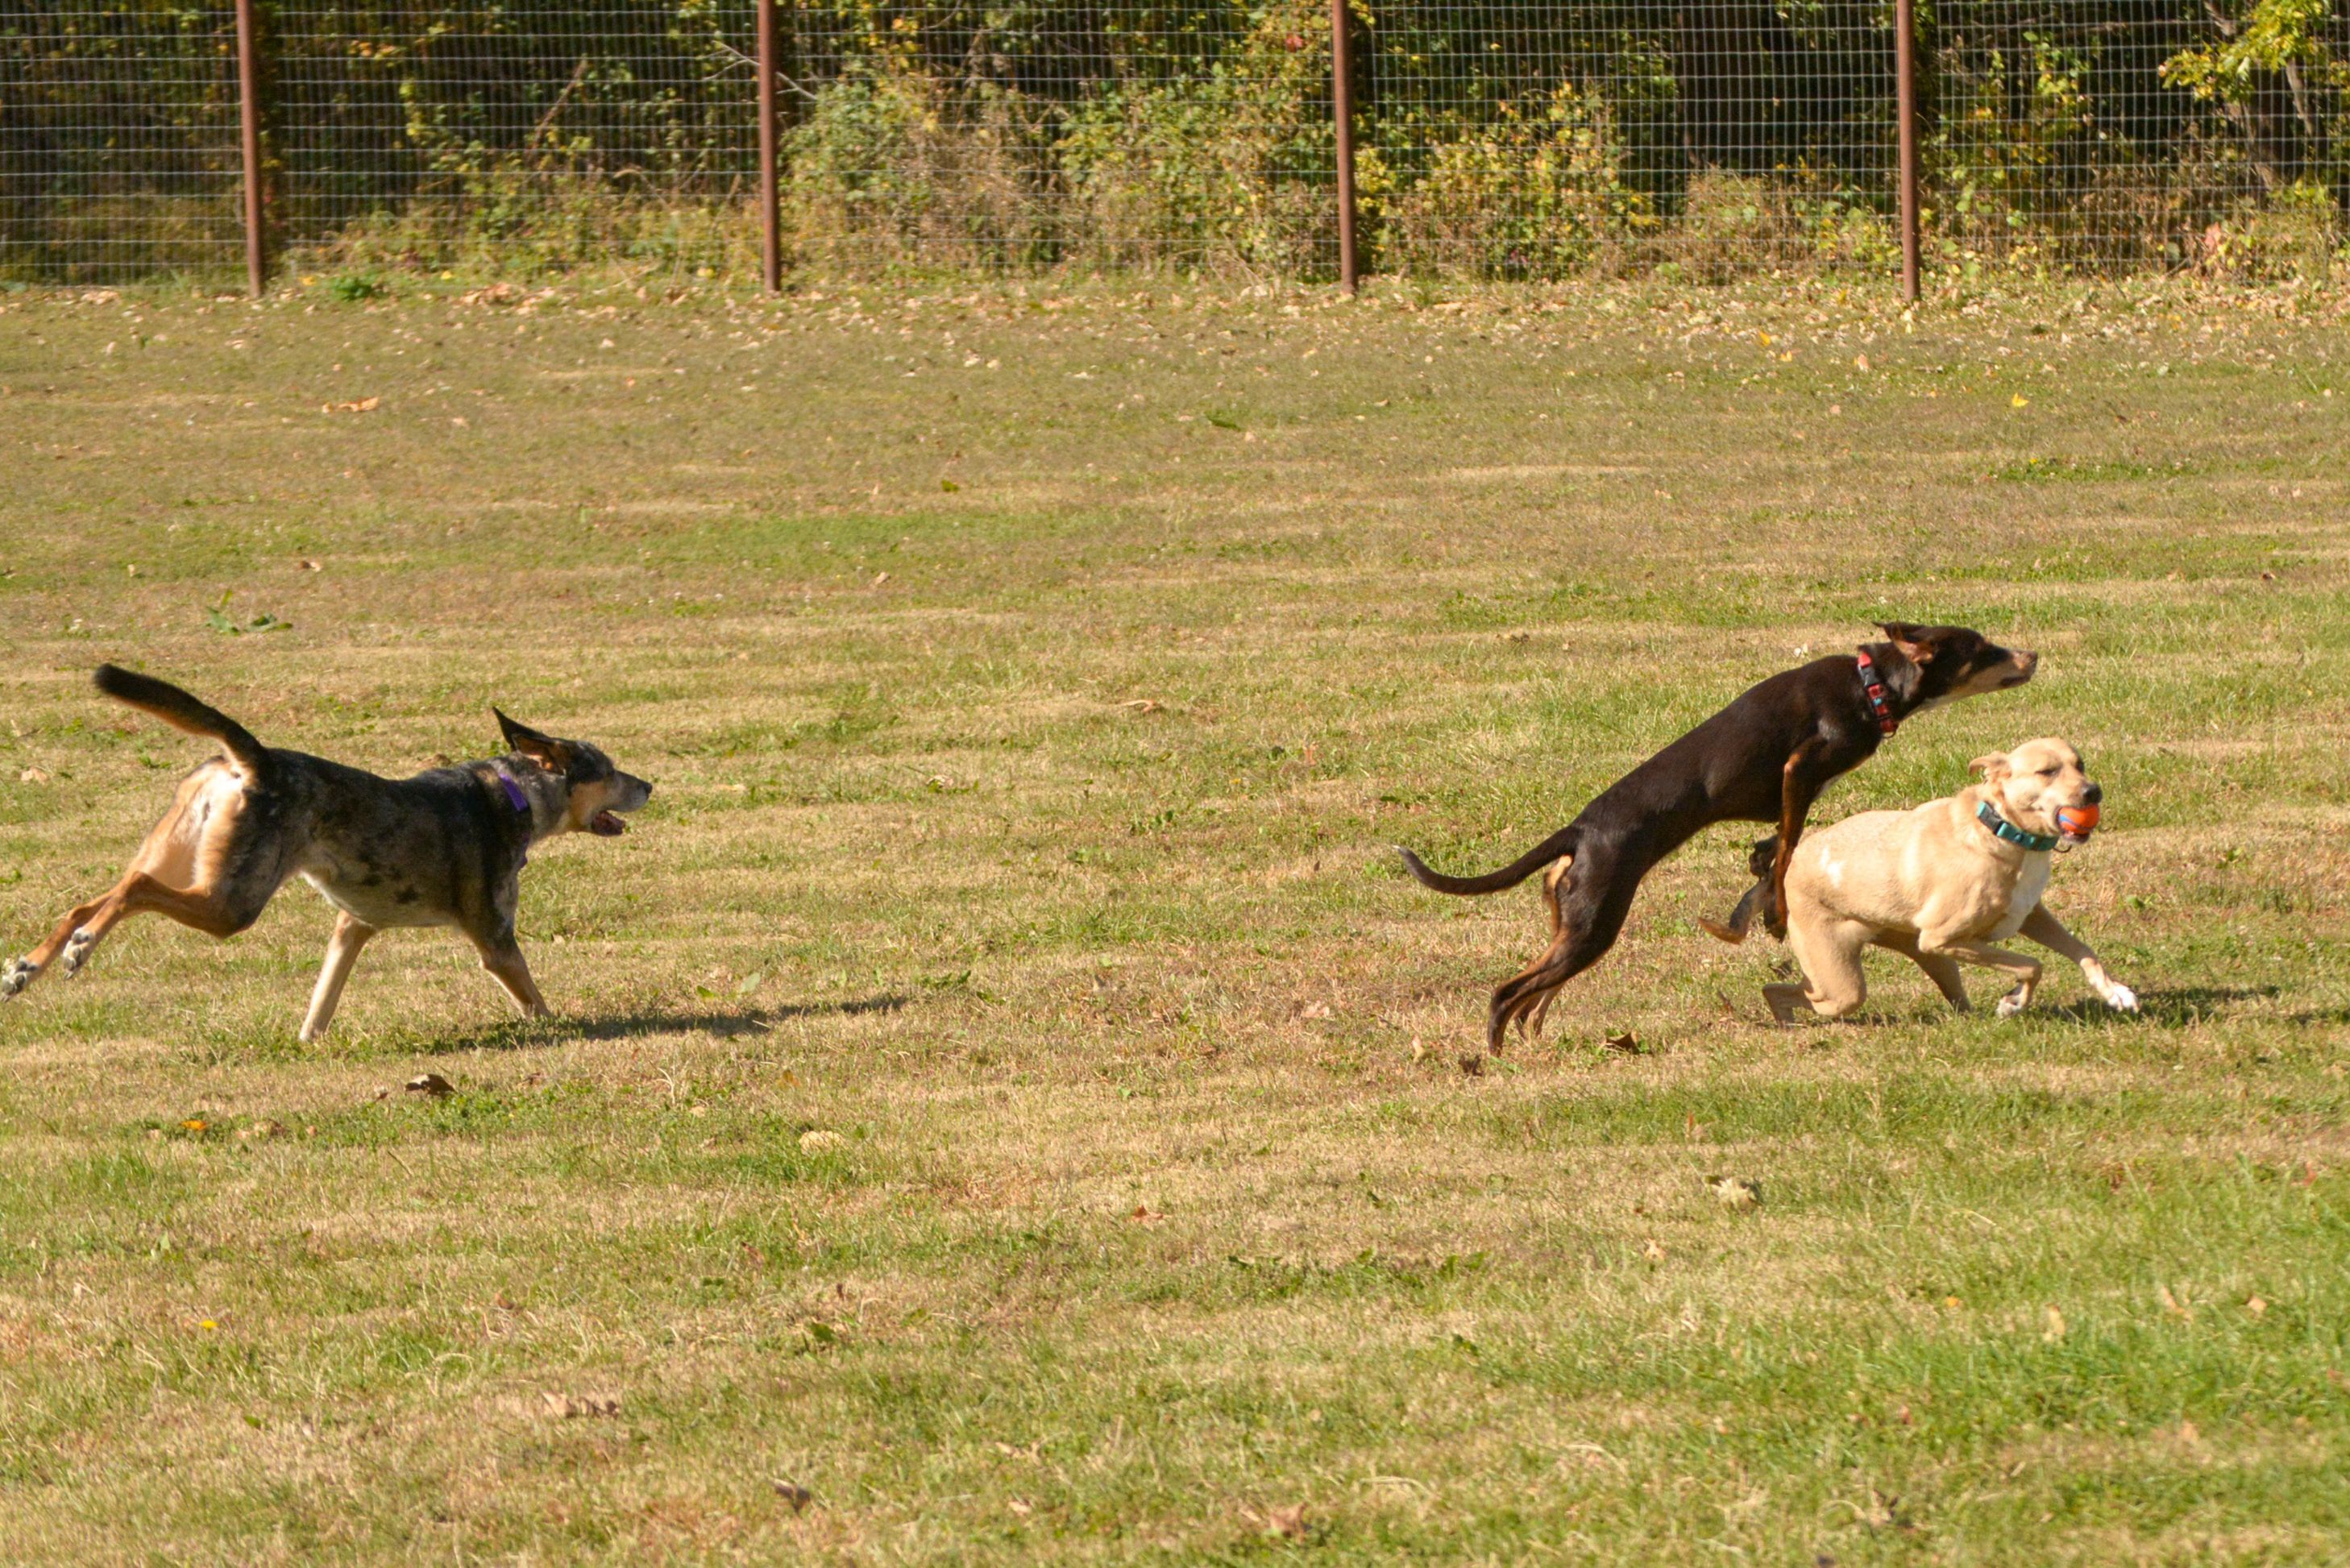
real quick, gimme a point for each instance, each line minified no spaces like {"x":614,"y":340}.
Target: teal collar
{"x":1988,"y":814}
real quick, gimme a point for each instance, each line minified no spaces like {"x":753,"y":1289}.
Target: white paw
{"x":16,"y":978}
{"x":77,"y":950}
{"x":2121,"y":998}
{"x":2014,"y":1002}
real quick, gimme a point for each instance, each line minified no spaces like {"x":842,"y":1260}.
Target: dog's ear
{"x":1992,"y":767}
{"x":547,"y":751}
{"x":1911,"y":638}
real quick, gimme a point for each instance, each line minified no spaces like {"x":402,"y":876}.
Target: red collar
{"x":1879,"y":708}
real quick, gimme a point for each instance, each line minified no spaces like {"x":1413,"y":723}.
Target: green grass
{"x":1033,"y":686}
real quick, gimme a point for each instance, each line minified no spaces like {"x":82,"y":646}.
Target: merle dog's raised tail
{"x":162,"y":699}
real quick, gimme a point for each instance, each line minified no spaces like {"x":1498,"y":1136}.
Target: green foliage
{"x":1530,"y":194}
{"x":526,"y":136}
{"x":2275,"y":36}
{"x":357,"y":288}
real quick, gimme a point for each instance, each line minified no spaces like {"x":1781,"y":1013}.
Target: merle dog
{"x":1764,"y":758}
{"x":443,"y":849}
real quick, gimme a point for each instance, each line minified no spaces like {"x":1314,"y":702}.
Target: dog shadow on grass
{"x":523,"y":1035}
{"x":2174,"y":1005}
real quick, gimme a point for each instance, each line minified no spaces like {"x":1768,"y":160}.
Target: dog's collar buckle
{"x":1879,"y":707}
{"x":1988,"y":814}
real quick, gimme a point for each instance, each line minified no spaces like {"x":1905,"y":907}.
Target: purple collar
{"x":515,"y":797}
{"x":521,"y":802}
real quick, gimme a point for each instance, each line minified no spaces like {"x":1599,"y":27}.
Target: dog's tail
{"x":176,"y":708}
{"x":1559,"y":845}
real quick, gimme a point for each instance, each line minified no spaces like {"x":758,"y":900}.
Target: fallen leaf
{"x":1288,"y":1523}
{"x":1315,"y":1010}
{"x":2019,"y":401}
{"x":1142,"y":705}
{"x":1473,"y":1065}
{"x":1734,"y":1192}
{"x":2053,"y":1329}
{"x":1653,"y":1252}
{"x":1419,"y":1051}
{"x":815,"y":1140}
{"x":792,"y":1492}
{"x":1625,"y":1042}
{"x":2256,"y":1306}
{"x":2188,"y":1432}
{"x":2171,"y":1305}
{"x":1145,"y":1213}
{"x":32,"y":775}
{"x":568,"y":1407}
{"x":431,"y":1084}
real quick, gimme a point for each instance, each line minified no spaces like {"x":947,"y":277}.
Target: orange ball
{"x":2077,"y":820}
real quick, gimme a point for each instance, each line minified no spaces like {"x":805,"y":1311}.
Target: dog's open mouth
{"x":605,"y":825}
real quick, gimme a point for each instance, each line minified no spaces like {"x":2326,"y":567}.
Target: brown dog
{"x":443,"y":849}
{"x":1943,"y":885}
{"x":1764,"y":758}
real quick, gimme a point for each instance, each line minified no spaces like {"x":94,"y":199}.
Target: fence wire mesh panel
{"x":2113,"y":135}
{"x":523,"y":134}
{"x":117,"y":140}
{"x":1496,"y":139}
{"x":1548,"y":140}
{"x":1134,"y":137}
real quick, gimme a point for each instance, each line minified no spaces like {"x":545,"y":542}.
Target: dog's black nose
{"x":2096,"y":794}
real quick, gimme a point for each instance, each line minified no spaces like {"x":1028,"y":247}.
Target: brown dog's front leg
{"x":1797,"y":789}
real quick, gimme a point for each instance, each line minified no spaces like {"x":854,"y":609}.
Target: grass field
{"x":1004,"y":1086}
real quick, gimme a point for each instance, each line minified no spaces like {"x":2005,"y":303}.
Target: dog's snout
{"x":2026,"y":660}
{"x":2097,"y":795}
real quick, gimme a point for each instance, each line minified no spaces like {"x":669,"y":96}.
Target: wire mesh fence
{"x":1711,"y":135}
{"x":2123,"y":134}
{"x":1495,"y":137}
{"x":117,"y":140}
{"x":435,"y":131}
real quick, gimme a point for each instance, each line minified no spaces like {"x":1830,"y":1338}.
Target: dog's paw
{"x":2014,"y":1002}
{"x":79,"y":946}
{"x":2121,"y":998}
{"x":16,"y":977}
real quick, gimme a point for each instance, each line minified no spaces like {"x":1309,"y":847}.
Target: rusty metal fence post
{"x":771,"y":221}
{"x":248,"y":95}
{"x":1904,"y":70}
{"x":1342,"y":113}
